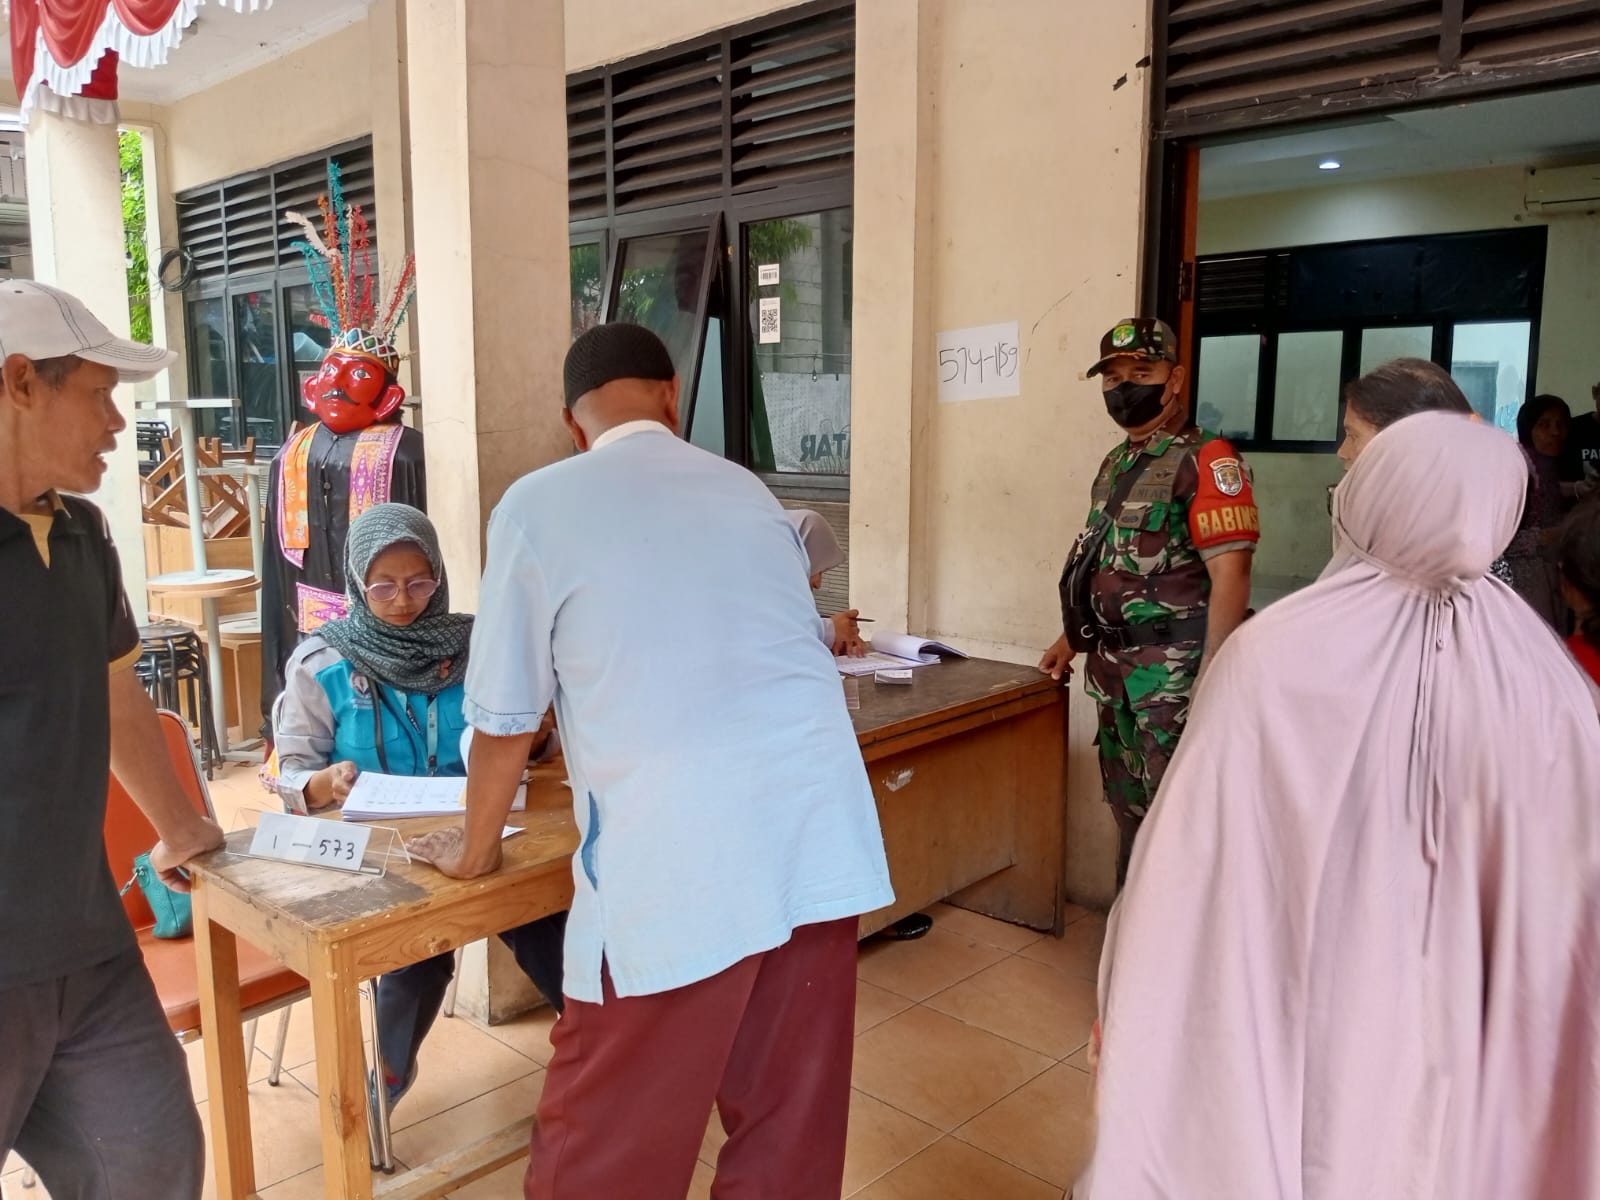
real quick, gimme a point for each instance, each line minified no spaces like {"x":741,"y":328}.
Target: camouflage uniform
{"x":1192,"y":503}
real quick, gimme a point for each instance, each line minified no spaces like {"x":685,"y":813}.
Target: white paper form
{"x":378,"y":797}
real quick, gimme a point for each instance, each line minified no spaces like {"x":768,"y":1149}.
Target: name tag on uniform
{"x":311,"y":841}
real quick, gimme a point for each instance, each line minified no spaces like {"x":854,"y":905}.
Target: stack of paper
{"x":895,"y":652}
{"x":376,"y":797}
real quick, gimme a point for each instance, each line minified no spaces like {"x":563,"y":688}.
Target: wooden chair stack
{"x":225,"y":501}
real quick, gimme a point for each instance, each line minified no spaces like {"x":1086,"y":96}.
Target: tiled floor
{"x":970,"y":1076}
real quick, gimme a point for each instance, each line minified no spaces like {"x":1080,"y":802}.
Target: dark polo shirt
{"x":61,"y":627}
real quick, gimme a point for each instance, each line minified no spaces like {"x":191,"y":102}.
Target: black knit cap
{"x":610,"y":352}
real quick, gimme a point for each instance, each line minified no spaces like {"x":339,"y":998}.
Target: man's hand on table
{"x":166,"y":858}
{"x":447,"y":850}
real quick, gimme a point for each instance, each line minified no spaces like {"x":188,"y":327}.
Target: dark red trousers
{"x":629,"y":1091}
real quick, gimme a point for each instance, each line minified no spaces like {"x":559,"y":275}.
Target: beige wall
{"x":975,"y":139}
{"x":1292,"y":488}
{"x":316,"y":96}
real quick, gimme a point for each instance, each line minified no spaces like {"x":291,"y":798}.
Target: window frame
{"x":1270,"y":323}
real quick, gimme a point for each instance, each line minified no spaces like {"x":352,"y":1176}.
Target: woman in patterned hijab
{"x":410,"y":640}
{"x":381,"y":692}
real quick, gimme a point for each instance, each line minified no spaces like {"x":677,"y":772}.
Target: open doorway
{"x":1466,"y":233}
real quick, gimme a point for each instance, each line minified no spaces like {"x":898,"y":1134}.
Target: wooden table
{"x":967,"y":765}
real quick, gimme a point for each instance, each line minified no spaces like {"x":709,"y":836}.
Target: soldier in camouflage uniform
{"x":1173,"y":574}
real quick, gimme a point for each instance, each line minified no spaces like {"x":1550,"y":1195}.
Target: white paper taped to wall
{"x":980,"y":363}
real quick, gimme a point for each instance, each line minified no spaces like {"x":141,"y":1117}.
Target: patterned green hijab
{"x":406,"y":657}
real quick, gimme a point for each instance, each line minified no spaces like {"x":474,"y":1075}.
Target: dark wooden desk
{"x":966,"y":763}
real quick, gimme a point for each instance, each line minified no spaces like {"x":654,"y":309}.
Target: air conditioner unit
{"x":1563,"y":189}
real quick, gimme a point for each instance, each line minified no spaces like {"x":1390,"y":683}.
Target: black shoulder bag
{"x":1078,"y":620}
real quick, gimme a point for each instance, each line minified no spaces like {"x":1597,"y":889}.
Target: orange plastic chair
{"x":266,"y":986}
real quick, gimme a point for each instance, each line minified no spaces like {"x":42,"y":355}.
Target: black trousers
{"x":94,"y":1090}
{"x":409,"y":999}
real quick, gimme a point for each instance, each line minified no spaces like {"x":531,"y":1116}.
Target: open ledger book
{"x":896,"y":651}
{"x":378,"y":797}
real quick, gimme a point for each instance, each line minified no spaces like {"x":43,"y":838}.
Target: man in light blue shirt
{"x":659,"y":596}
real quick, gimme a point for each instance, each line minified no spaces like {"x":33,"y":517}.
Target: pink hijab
{"x":1358,"y":957}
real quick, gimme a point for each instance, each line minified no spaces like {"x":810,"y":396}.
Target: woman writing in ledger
{"x":381,"y":690}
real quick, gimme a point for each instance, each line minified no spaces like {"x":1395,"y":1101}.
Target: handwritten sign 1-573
{"x":979,"y":363}
{"x":309,"y":840}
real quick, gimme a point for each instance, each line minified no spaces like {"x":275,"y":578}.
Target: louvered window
{"x":249,"y":309}
{"x":757,"y":107}
{"x":1232,"y":62}
{"x":236,"y":227}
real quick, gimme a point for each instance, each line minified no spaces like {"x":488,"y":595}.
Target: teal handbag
{"x":174,"y":917}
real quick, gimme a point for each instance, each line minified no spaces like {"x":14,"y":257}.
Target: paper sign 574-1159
{"x":308,"y":840}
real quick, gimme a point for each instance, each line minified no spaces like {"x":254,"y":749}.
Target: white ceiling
{"x":1532,"y":130}
{"x":223,"y":43}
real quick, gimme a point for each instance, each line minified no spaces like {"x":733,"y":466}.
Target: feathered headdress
{"x":346,"y":288}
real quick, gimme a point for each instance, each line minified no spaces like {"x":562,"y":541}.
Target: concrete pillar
{"x":487,"y":115}
{"x":892,"y":350}
{"x":75,"y":217}
{"x":486,"y":110}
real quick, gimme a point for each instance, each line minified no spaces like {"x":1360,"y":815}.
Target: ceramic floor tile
{"x":1078,"y":1060}
{"x":938,"y":1069}
{"x":285,"y":1132}
{"x":458,"y":1061}
{"x":881,"y":1138}
{"x":1077,"y":952}
{"x":195,"y":1054}
{"x":875,"y":1005}
{"x":700,"y":1185}
{"x":1045,"y":1127}
{"x":1071,"y":914}
{"x":528,"y":1035}
{"x":711,"y":1144}
{"x":1024,"y":1002}
{"x":466,"y":1123}
{"x":930,"y":964}
{"x":1001,"y":934}
{"x":952,"y":1170}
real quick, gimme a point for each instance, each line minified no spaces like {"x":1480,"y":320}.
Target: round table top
{"x":218,"y":582}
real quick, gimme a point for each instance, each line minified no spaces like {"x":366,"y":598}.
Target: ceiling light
{"x":1329,"y":164}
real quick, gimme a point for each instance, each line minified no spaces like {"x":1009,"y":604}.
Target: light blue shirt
{"x":659,"y":595}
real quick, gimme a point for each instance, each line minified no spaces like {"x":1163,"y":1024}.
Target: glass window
{"x":1305,"y":404}
{"x":1225,"y":392}
{"x":256,"y":336}
{"x":208,"y":359}
{"x":708,"y":427}
{"x":798,"y":284}
{"x":1379,"y":346}
{"x":588,"y":287}
{"x":1490,"y":362}
{"x":307,"y":343}
{"x":660,"y":286}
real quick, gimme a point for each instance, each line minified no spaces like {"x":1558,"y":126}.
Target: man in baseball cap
{"x":95,"y":1092}
{"x":1161,"y":575}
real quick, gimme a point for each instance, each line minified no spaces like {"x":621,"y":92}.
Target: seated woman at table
{"x":840,"y":631}
{"x":381,"y":690}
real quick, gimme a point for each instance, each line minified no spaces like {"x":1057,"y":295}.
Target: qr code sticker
{"x":771,"y":321}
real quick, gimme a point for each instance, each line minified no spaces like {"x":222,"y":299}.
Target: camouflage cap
{"x":1137,"y":337}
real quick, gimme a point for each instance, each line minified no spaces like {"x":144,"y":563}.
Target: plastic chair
{"x":266,"y":986}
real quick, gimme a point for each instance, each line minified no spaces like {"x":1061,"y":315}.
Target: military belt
{"x":1164,"y":632}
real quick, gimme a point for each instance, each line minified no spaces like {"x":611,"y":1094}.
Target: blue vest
{"x":421,"y":734}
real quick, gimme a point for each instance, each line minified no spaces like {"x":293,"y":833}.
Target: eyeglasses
{"x":386,"y":591}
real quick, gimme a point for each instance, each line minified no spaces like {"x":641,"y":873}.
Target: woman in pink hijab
{"x":1358,"y":957}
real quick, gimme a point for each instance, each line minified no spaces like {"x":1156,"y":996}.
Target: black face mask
{"x":1134,"y":404}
